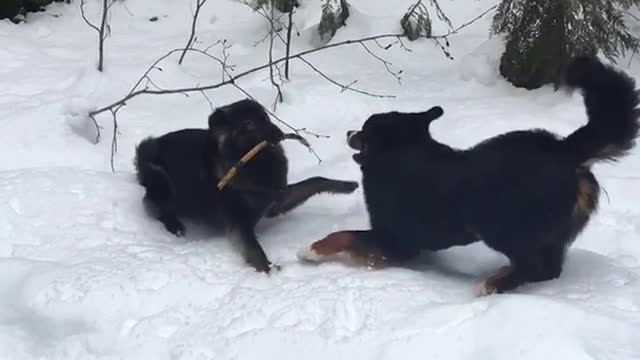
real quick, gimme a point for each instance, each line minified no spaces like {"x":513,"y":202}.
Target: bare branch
{"x":102,"y":31}
{"x":208,"y":100}
{"x":103,"y":26}
{"x":343,"y":87}
{"x":303,"y":141}
{"x":84,"y":16}
{"x":288,"y":43}
{"x":464,"y":25}
{"x":97,"y":126}
{"x":245,"y":73}
{"x":232,"y":80}
{"x":279,"y":97}
{"x":114,"y":140}
{"x":199,"y":5}
{"x":386,"y":63}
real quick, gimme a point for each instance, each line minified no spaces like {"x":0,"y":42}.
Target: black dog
{"x":180,"y":171}
{"x":526,"y":194}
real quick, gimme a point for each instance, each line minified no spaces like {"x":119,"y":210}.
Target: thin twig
{"x":386,"y":63}
{"x":631,"y":15}
{"x":288,"y":43}
{"x":286,"y":124}
{"x":102,"y":31}
{"x":135,"y":91}
{"x":279,"y":97}
{"x":343,"y":87}
{"x":242,"y":74}
{"x":211,"y":107}
{"x":245,"y":73}
{"x":97,"y":126}
{"x":84,"y":16}
{"x":199,"y":5}
{"x":114,"y":141}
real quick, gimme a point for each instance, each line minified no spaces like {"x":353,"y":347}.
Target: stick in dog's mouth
{"x":250,"y":154}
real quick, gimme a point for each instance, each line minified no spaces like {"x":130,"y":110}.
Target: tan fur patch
{"x":333,"y":244}
{"x":489,"y":286}
{"x":221,"y":138}
{"x":584,"y":198}
{"x":343,"y":247}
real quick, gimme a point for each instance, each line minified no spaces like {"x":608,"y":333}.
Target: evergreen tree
{"x":284,"y":6}
{"x":334,"y":16}
{"x":416,"y":22}
{"x":543,"y":35}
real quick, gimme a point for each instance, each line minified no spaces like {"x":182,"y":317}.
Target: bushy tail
{"x":610,"y":99}
{"x":149,"y":173}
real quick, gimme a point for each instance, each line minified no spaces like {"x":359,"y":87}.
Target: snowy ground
{"x":87,"y":275}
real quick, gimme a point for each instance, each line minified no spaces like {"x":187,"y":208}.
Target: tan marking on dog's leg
{"x":329,"y":246}
{"x":488,"y":286}
{"x":345,"y":247}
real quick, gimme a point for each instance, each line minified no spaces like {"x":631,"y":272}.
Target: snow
{"x":86,"y":274}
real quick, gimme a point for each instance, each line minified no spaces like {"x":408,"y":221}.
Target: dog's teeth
{"x":309,"y":254}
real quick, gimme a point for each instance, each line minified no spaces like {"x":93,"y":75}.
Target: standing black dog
{"x":180,"y":171}
{"x":526,"y":194}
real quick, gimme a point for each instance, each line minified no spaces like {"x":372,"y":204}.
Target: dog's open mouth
{"x":354,"y":140}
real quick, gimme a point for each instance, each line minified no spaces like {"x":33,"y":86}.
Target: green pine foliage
{"x":334,"y":16}
{"x":543,"y":35}
{"x":416,"y":22}
{"x":284,"y":6}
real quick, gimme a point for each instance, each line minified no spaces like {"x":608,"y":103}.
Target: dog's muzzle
{"x":354,"y":140}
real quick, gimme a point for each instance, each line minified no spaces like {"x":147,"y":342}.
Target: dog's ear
{"x":424,"y":117}
{"x":432,"y":114}
{"x":217,"y":118}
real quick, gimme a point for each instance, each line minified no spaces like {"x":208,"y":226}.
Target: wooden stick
{"x":234,"y":170}
{"x":250,"y":154}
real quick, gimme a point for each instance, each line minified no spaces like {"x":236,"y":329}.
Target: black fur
{"x":180,"y":171}
{"x":526,"y":194}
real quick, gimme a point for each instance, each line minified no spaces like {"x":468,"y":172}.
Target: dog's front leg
{"x":244,"y":238}
{"x":348,"y":246}
{"x":296,"y":194}
{"x":240,"y":220}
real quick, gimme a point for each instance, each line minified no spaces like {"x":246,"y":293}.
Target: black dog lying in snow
{"x":180,"y":171}
{"x":526,"y":194}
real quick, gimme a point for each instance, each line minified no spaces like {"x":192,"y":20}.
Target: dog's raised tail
{"x":610,"y":99}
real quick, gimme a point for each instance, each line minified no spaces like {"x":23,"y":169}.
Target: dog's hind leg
{"x":347,"y":246}
{"x":544,"y":263}
{"x":160,"y":194}
{"x":296,"y":194}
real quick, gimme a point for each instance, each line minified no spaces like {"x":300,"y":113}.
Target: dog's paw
{"x":266,"y":267}
{"x":273,"y":268}
{"x":347,"y":187}
{"x":308,"y":254}
{"x":484,"y":289}
{"x":175,"y":227}
{"x":491,"y":284}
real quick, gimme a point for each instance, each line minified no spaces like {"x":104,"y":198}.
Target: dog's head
{"x":391,"y":131}
{"x":241,"y":125}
